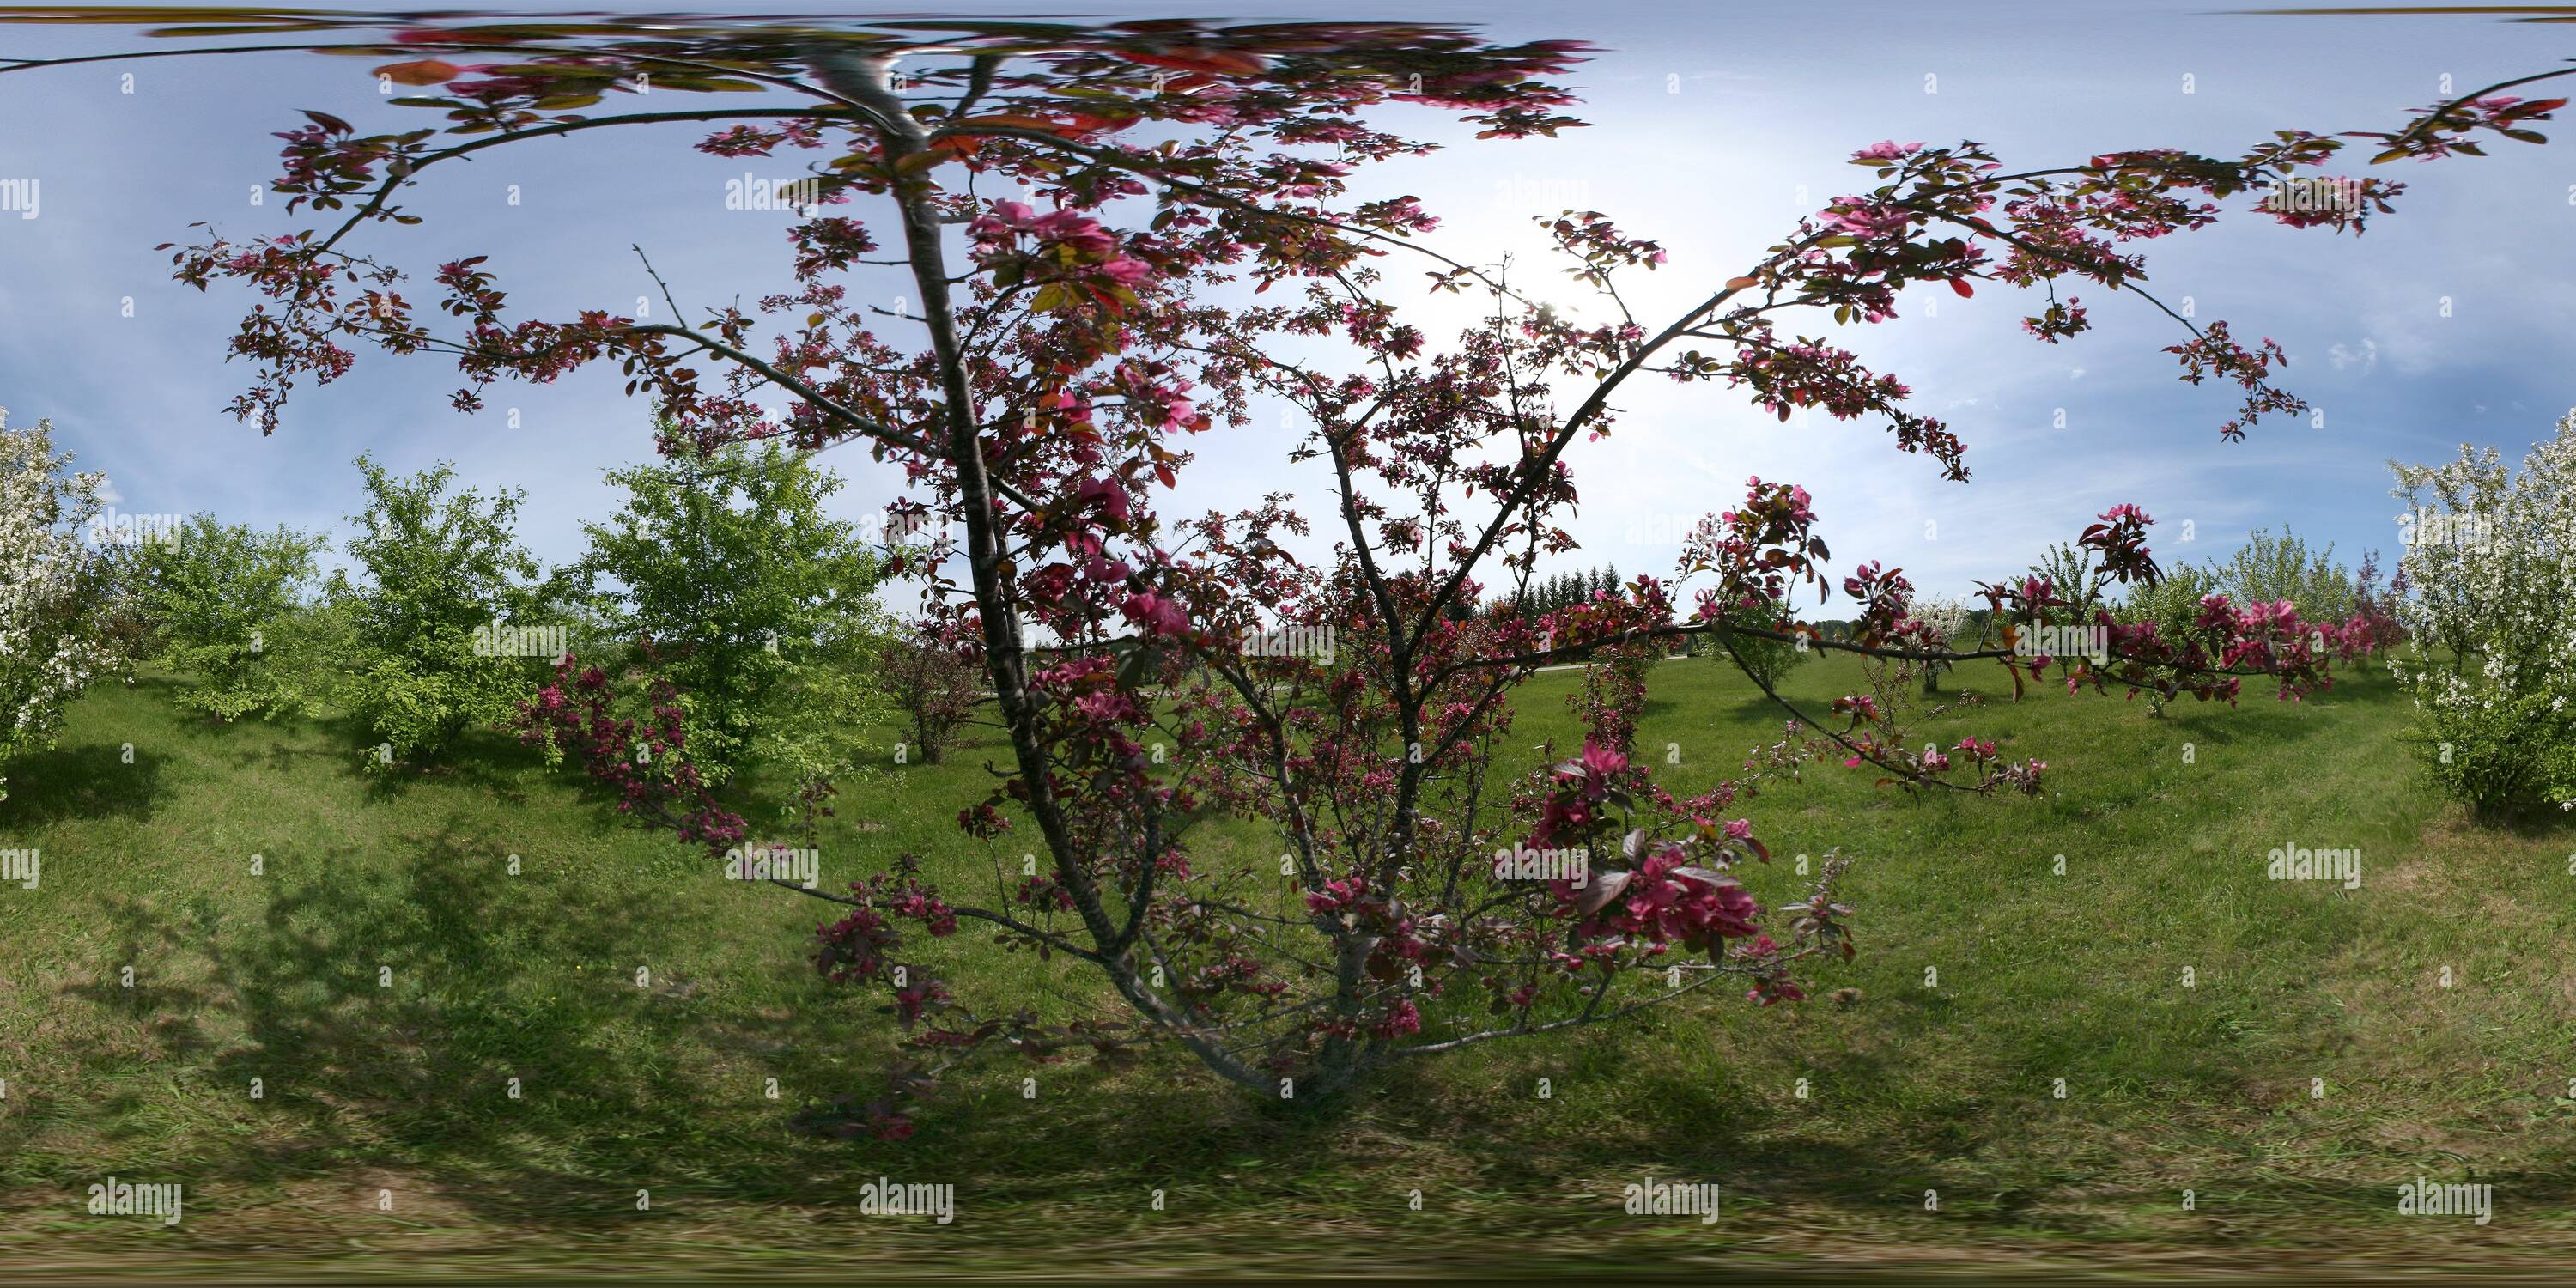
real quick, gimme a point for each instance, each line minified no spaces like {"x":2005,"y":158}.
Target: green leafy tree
{"x":1766,"y":659}
{"x":442,"y":569}
{"x":760,"y":607}
{"x":127,"y":624}
{"x":2077,"y":578}
{"x":221,"y":597}
{"x":2268,"y":569}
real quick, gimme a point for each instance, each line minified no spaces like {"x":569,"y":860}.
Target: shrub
{"x":2375,"y":626}
{"x":2345,"y":613}
{"x":132,"y":635}
{"x":2493,"y":672}
{"x":622,"y":724}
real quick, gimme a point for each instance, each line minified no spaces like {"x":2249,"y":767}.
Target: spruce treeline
{"x":1547,"y":595}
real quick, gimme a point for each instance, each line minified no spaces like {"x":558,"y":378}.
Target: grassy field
{"x":384,"y":975}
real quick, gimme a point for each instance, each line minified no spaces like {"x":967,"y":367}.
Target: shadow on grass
{"x":2535,"y":823}
{"x":412,"y":1080}
{"x":405,"y":1075}
{"x":484,"y":759}
{"x":1756,"y":707}
{"x":83,"y":783}
{"x":408,"y":1071}
{"x":343,"y":746}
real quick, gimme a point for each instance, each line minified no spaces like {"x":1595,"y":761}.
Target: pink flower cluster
{"x":860,"y":946}
{"x":659,"y":786}
{"x":1664,"y":899}
{"x":1068,"y":246}
{"x":1587,"y":784}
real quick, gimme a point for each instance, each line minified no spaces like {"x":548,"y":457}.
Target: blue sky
{"x":1715,"y":128}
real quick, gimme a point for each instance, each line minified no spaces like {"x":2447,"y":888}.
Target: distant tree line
{"x":1563,"y":590}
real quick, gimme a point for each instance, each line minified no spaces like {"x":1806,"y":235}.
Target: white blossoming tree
{"x":51,"y":598}
{"x":2491,"y":560}
{"x":1949,"y":619}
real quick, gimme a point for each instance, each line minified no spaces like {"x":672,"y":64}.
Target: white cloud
{"x":2366,"y":357}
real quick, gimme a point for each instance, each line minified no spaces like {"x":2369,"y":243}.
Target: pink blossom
{"x":1156,"y":614}
{"x":1126,"y":272}
{"x":1868,"y":219}
{"x":1597,"y":764}
{"x":1111,"y":498}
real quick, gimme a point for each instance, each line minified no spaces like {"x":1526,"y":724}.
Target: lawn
{"x":2284,"y":1052}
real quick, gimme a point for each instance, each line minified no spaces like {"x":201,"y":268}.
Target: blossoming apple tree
{"x":2491,"y":555}
{"x":52,"y":596}
{"x":1122,"y":239}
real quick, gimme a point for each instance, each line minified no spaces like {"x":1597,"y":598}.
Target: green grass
{"x":661,"y":1087}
